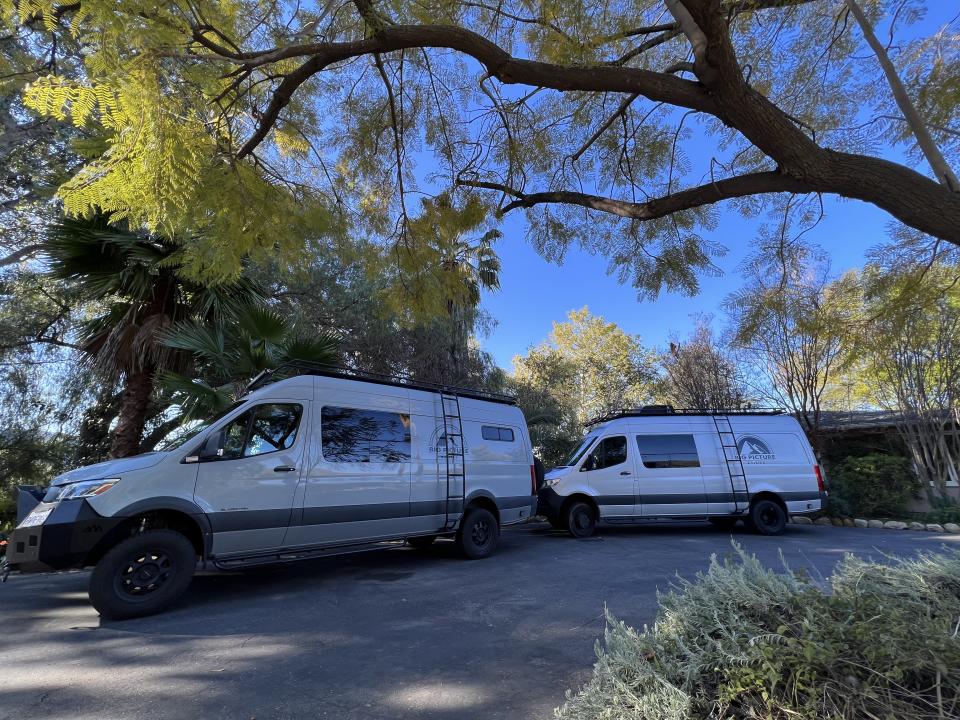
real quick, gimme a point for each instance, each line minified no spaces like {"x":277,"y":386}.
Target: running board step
{"x":306,"y":554}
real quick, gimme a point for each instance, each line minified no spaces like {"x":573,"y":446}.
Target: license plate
{"x":37,"y":517}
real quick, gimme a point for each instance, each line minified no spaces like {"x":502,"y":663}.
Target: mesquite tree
{"x":262,"y":121}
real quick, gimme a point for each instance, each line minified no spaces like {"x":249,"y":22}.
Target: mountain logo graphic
{"x":751,"y":447}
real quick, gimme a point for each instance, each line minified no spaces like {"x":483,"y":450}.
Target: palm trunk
{"x":137,"y":389}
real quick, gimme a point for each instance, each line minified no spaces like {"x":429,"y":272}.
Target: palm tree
{"x":227,"y":356}
{"x":132,"y":284}
{"x":461,"y":265}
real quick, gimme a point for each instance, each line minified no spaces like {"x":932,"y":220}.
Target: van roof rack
{"x":668,"y":410}
{"x":304,"y":367}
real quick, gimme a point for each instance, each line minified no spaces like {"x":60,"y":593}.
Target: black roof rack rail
{"x":669,"y":410}
{"x":303,"y":367}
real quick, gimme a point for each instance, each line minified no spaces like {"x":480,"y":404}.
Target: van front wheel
{"x":478,"y":534}
{"x":142,"y":575}
{"x":581,"y":521}
{"x":767,"y":517}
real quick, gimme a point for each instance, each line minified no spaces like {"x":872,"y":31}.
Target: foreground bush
{"x":745,"y":642}
{"x":872,"y":486}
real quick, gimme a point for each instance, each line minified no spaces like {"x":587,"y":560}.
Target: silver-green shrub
{"x":876,"y":640}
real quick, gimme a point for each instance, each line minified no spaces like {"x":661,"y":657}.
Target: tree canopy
{"x":261,"y":123}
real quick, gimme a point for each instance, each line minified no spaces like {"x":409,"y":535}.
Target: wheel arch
{"x":769,"y":495}
{"x":580,"y":496}
{"x":170,"y":513}
{"x":484,"y":500}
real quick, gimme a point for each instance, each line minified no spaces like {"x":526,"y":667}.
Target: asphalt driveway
{"x":390,"y":634}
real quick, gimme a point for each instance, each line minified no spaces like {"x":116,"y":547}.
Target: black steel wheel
{"x":581,"y":519}
{"x":142,"y":575}
{"x":478,"y":534}
{"x":768,"y":517}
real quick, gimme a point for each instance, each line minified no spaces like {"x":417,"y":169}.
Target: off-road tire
{"x":478,"y":534}
{"x":142,"y":575}
{"x":768,"y":517}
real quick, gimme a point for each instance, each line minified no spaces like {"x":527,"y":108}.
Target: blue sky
{"x":535,"y":293}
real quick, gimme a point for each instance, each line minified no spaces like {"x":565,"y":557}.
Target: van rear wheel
{"x":581,"y":520}
{"x":767,"y":517}
{"x":478,"y":534}
{"x":142,"y":575}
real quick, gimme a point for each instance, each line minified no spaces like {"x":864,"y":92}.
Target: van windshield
{"x":574,"y":457}
{"x":192,"y":428}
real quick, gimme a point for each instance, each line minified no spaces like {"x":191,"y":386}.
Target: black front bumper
{"x":549,"y":503}
{"x":64,"y":540}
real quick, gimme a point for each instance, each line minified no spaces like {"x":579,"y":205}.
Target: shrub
{"x":746,"y":642}
{"x":872,"y":486}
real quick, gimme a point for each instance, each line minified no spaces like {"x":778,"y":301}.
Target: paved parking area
{"x":389,"y":634}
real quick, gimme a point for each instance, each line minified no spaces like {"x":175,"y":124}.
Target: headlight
{"x":551,"y":482}
{"x":87,"y":488}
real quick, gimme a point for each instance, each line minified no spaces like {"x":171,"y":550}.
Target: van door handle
{"x":624,"y":472}
{"x":284,"y":468}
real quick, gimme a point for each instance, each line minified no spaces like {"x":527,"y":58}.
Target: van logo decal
{"x":438,"y":443}
{"x":753,"y":449}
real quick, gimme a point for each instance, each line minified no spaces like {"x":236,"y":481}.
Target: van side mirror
{"x":211,"y":449}
{"x":587,"y":464}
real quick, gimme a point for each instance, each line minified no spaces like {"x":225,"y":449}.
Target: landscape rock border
{"x":948,"y":528}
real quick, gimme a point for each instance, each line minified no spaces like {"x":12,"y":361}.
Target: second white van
{"x":658,"y":463}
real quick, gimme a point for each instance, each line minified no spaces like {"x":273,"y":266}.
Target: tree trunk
{"x":137,"y":388}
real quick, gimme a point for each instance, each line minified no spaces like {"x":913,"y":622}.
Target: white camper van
{"x":658,"y":463}
{"x":320,"y":463}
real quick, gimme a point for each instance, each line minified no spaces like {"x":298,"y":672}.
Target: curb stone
{"x":951,"y":527}
{"x":822,"y":521}
{"x":859,"y":522}
{"x":875,"y":523}
{"x":917,"y":526}
{"x":934,"y":527}
{"x":895,"y":525}
{"x":801,"y":520}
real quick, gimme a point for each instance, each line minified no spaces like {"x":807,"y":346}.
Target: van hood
{"x":109,"y":468}
{"x":558,"y":472}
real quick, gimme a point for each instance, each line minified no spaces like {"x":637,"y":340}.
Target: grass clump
{"x":880,"y":641}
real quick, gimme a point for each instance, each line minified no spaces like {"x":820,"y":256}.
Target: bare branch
{"x":739,"y":186}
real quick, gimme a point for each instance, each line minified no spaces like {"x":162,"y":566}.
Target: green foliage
{"x":587,"y":366}
{"x":228,"y":355}
{"x":166,"y":98}
{"x":742,"y":641}
{"x":872,"y":486}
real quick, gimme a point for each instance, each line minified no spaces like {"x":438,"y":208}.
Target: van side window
{"x":500,"y":434}
{"x":668,"y":451}
{"x":608,"y":452}
{"x":354,"y":435}
{"x":262,"y":429}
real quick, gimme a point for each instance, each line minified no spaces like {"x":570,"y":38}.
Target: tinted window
{"x":609,"y":452}
{"x":352,"y":435}
{"x":668,"y":451}
{"x":500,"y":434}
{"x":262,"y":429}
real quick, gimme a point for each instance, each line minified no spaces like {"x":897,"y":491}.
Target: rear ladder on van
{"x":731,"y":454}
{"x":455,"y":459}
